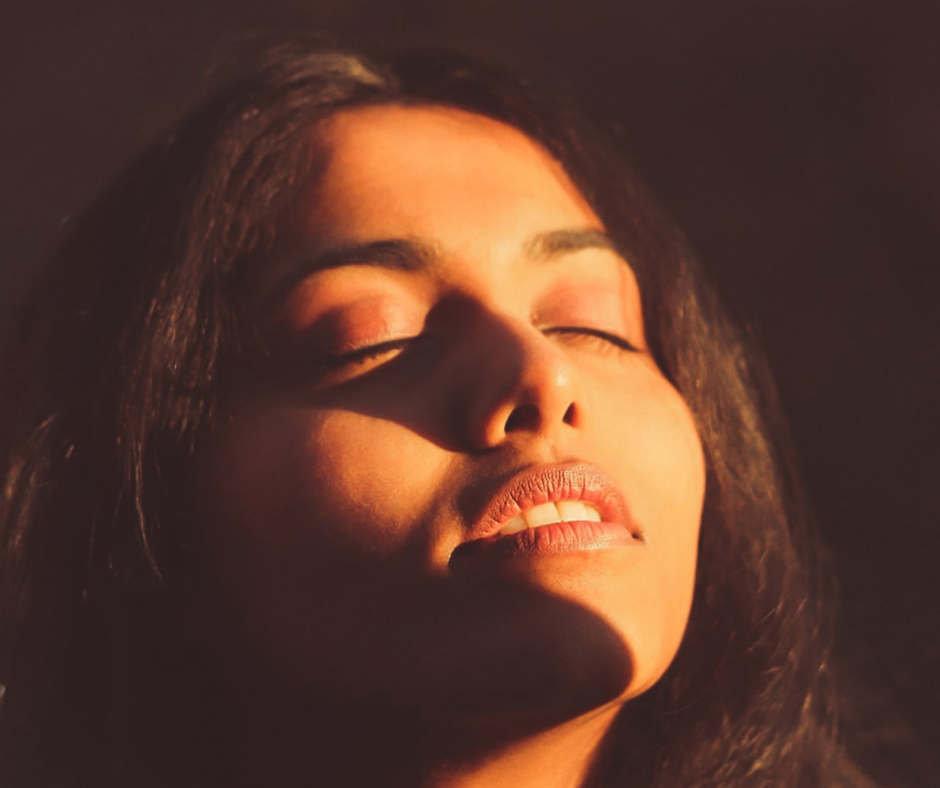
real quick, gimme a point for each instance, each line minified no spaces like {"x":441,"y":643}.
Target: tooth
{"x":571,"y":511}
{"x":515,"y":525}
{"x":543,"y":514}
{"x":593,"y":515}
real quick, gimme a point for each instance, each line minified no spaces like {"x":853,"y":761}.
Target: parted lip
{"x":550,"y":483}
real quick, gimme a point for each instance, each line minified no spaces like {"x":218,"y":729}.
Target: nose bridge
{"x":521,"y":382}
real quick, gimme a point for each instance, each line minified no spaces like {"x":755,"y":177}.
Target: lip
{"x":548,"y":484}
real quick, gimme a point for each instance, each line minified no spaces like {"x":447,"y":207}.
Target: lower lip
{"x":555,"y":539}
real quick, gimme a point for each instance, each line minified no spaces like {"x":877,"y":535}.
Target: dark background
{"x":796,"y":141}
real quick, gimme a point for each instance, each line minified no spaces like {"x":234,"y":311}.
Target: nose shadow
{"x":433,"y":410}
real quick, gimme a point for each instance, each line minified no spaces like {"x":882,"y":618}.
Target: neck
{"x":376,"y":746}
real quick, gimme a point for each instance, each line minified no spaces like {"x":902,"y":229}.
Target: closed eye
{"x":304,"y":365}
{"x":365,"y":354}
{"x":613,"y":339}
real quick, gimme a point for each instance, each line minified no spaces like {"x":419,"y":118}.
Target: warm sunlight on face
{"x":462,"y":484}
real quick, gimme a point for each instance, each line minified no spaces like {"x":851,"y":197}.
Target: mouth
{"x":553,"y":509}
{"x":543,"y":514}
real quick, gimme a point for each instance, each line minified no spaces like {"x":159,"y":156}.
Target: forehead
{"x":439,"y":173}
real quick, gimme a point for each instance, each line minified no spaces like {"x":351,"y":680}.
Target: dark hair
{"x":117,"y":360}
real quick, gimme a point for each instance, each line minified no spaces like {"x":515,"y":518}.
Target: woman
{"x":377,"y":428}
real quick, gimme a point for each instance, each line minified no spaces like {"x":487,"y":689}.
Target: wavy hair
{"x":110,"y":380}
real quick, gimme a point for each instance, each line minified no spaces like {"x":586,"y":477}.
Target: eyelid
{"x":367,"y":351}
{"x":615,"y":339}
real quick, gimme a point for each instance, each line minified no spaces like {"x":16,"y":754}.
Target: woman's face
{"x":456,"y":353}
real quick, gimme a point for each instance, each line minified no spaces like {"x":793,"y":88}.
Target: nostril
{"x":529,"y":417}
{"x":569,"y":416}
{"x":523,"y":417}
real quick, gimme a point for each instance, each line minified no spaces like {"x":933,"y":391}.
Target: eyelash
{"x":614,"y":339}
{"x":369,"y":352}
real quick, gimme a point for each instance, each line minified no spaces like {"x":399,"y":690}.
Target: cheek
{"x":370,"y":479}
{"x":307,"y":515}
{"x":659,"y":457}
{"x":669,"y":461}
{"x":654,"y":444}
{"x":307,"y":475}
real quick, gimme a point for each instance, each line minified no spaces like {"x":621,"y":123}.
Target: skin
{"x":335,"y":491}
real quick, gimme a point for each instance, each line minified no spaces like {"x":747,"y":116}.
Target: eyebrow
{"x":395,"y":254}
{"x":550,"y":245}
{"x":410,"y":254}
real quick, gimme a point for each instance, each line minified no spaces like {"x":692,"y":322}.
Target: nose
{"x":521,"y":383}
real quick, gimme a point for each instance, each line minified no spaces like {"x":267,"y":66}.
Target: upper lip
{"x":549,"y":483}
